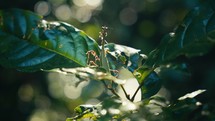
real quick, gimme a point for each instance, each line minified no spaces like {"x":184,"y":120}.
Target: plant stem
{"x":111,"y":89}
{"x":132,"y":99}
{"x":139,"y":87}
{"x":126,"y":94}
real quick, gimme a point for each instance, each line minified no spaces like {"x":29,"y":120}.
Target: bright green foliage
{"x":29,"y":43}
{"x":88,"y":116}
{"x":85,"y":112}
{"x":89,"y":73}
{"x":149,"y":81}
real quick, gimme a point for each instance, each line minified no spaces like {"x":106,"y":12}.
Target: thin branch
{"x":111,"y":89}
{"x":139,"y":87}
{"x":132,"y":99}
{"x":126,"y":94}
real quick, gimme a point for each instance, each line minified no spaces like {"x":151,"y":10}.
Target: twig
{"x":126,"y":94}
{"x":132,"y":99}
{"x":111,"y":89}
{"x":139,"y":87}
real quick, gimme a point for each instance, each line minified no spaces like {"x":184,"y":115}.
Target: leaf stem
{"x":126,"y":94}
{"x":139,"y":87}
{"x":132,"y":99}
{"x":111,"y":89}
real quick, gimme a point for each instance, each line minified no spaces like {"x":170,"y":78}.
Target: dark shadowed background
{"x":141,"y":24}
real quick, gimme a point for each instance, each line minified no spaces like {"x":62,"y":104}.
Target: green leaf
{"x":120,"y":55}
{"x":183,"y":110}
{"x":149,"y":81}
{"x":82,"y":108}
{"x":85,"y":112}
{"x":87,"y":116}
{"x":89,"y":73}
{"x":29,"y":43}
{"x":192,"y":94}
{"x":193,"y":37}
{"x":129,"y":88}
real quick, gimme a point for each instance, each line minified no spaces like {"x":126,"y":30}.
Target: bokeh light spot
{"x":128,"y":16}
{"x":43,"y":8}
{"x":55,"y":84}
{"x":79,"y":3}
{"x":130,"y":86}
{"x":113,"y":111}
{"x":26,"y":93}
{"x":93,"y":101}
{"x":83,"y":14}
{"x":42,"y":102}
{"x":72,"y":92}
{"x":103,"y":112}
{"x":66,"y":86}
{"x":57,"y":2}
{"x":46,"y":115}
{"x":37,"y":119}
{"x":94,"y":3}
{"x":63,"y":12}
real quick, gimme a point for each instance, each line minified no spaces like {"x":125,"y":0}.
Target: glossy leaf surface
{"x":120,"y":55}
{"x":149,"y":81}
{"x":193,"y":37}
{"x":89,"y":73}
{"x":29,"y":43}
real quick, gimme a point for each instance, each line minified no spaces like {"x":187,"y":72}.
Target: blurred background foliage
{"x":140,"y":24}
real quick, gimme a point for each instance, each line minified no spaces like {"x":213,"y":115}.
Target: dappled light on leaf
{"x":86,"y":73}
{"x":108,"y":82}
{"x":149,"y":81}
{"x":120,"y":55}
{"x":191,"y":38}
{"x":192,"y":94}
{"x":40,"y":44}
